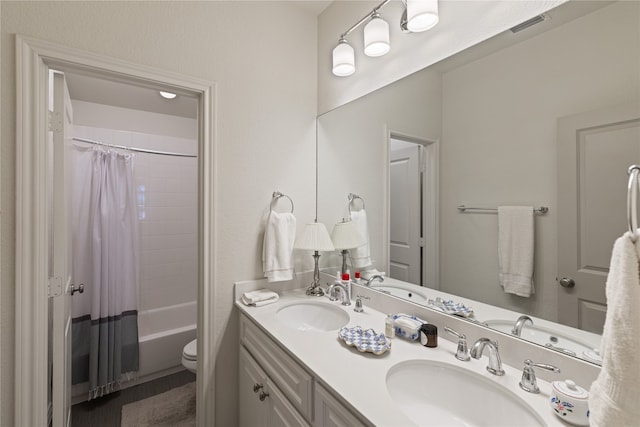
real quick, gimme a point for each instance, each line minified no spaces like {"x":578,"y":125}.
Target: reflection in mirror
{"x":525,"y":118}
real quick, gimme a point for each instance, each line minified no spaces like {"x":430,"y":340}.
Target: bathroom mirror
{"x":487,"y":119}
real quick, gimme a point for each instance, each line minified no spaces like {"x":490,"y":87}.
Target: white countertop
{"x":360,"y":378}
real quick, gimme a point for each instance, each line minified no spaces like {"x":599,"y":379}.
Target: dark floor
{"x":105,"y":411}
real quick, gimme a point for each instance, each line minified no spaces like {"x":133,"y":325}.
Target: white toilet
{"x":190,"y":356}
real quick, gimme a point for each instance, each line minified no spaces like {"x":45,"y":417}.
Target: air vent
{"x":526,"y":24}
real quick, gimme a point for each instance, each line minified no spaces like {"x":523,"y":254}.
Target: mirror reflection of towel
{"x":361,"y":256}
{"x":277,"y":247}
{"x":515,"y":249}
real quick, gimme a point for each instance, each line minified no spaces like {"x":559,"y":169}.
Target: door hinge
{"x":55,"y":287}
{"x":421,"y":242}
{"x":55,"y":121}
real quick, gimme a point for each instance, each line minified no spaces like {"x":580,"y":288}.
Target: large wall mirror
{"x":544,"y":116}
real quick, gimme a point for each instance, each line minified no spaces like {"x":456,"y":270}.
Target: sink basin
{"x":401,"y":292}
{"x":313,"y":316}
{"x":550,"y":338}
{"x":441,"y":394}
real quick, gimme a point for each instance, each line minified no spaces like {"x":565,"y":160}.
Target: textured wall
{"x":262,"y":55}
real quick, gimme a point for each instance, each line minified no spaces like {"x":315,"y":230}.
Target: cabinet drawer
{"x":331,"y":413}
{"x":294,"y":382}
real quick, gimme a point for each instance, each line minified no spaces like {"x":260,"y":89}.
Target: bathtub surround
{"x":105,"y":259}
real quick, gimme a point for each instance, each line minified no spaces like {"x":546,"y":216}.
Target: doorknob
{"x":567,"y":282}
{"x":80,"y":289}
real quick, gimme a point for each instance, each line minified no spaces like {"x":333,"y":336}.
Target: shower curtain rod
{"x":139,"y":150}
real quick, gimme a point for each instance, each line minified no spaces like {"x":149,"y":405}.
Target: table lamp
{"x":315,"y":237}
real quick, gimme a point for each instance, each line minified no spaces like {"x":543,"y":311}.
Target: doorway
{"x":35,"y":58}
{"x":413,"y":231}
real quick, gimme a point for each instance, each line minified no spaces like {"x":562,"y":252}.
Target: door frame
{"x":33,"y":59}
{"x":430,"y":208}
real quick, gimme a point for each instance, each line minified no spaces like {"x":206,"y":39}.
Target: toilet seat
{"x":190,"y":356}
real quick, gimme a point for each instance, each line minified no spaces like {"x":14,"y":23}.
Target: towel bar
{"x":462,"y":208}
{"x":632,"y":197}
{"x":276,"y":195}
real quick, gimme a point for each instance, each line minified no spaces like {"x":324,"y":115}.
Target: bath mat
{"x":176,"y":408}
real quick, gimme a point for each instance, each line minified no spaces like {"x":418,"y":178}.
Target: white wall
{"x":462,"y":24}
{"x":262,"y":55}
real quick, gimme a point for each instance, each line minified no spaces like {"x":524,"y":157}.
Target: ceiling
{"x":127,"y":95}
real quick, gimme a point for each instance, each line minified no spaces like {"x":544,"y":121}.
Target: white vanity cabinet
{"x":276,"y":391}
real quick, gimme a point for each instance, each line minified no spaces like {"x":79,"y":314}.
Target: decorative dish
{"x":365,"y":340}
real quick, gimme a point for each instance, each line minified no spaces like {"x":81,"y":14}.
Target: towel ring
{"x":632,"y":197}
{"x":352,"y":197}
{"x":276,"y":195}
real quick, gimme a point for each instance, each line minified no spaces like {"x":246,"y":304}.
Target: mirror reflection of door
{"x":405,"y":213}
{"x":594,"y":151}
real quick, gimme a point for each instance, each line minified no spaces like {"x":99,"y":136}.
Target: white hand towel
{"x":613,"y":399}
{"x":277,"y":247}
{"x":360,"y":257}
{"x":515,"y":249}
{"x":259,"y":297}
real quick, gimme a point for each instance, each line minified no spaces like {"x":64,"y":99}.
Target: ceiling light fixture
{"x":167,"y":95}
{"x":419,"y":15}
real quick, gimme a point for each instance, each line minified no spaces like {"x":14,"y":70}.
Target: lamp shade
{"x":345,"y":235}
{"x":422,"y":15}
{"x":344,"y":59}
{"x":376,"y":37}
{"x":314,"y":237}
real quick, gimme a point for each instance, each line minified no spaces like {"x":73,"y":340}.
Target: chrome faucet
{"x":462,"y":353}
{"x":340,"y":288}
{"x":377,"y":277}
{"x":528,"y":382}
{"x":522,"y":320}
{"x":495,"y":364}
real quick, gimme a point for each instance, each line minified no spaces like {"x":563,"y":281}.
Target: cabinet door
{"x":281,"y":412}
{"x":253,"y":411}
{"x":329,"y":412}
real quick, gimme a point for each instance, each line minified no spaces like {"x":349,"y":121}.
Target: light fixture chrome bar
{"x":364,"y":19}
{"x":138,"y":150}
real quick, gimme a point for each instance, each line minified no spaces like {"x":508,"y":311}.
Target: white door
{"x":405,"y":218}
{"x":60,"y":284}
{"x":594,"y":151}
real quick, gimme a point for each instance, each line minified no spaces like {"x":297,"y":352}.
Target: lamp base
{"x":314,"y":289}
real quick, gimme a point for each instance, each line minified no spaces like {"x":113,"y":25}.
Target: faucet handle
{"x":462,"y":352}
{"x":528,"y":381}
{"x":358,"y":308}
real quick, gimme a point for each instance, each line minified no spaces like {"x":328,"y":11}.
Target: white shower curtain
{"x":105,"y":259}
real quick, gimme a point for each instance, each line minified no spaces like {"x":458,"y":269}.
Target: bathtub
{"x":163,"y":332}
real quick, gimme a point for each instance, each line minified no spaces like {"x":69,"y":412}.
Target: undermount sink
{"x":402,"y":292}
{"x":313,"y":316}
{"x":441,"y":394}
{"x":550,"y":339}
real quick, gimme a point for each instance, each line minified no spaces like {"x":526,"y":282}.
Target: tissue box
{"x":407,"y":326}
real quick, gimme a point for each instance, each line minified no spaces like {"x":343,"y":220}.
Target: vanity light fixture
{"x":315,"y":237}
{"x":167,"y":95}
{"x":419,"y":15}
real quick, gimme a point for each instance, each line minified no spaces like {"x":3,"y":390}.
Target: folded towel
{"x":360,"y":257}
{"x":613,"y":399}
{"x":515,"y":249}
{"x":277,"y":247}
{"x":369,"y":273}
{"x":259,"y":297}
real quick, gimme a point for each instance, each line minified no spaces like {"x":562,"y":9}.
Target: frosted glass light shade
{"x":376,"y":37}
{"x":344,"y":59}
{"x":314,"y":237}
{"x":422,"y":15}
{"x":345,"y":235}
